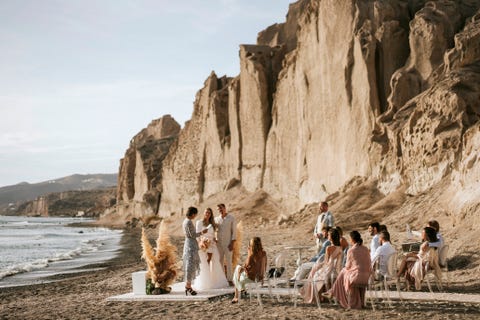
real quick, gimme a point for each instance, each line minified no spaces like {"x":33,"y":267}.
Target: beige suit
{"x":227,"y":230}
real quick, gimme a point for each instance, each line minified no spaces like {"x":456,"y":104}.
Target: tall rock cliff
{"x":140,"y":175}
{"x":385,"y":90}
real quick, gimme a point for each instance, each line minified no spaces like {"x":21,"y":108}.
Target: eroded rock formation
{"x":140,"y":175}
{"x":384,"y":90}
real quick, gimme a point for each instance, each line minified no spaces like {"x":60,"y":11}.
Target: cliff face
{"x":140,"y":175}
{"x":384,"y":90}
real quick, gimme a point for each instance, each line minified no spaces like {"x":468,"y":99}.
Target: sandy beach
{"x":84,"y":295}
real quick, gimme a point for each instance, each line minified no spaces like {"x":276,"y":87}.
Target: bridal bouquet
{"x":204,"y":243}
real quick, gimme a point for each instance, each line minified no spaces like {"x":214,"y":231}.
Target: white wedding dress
{"x":212,"y":275}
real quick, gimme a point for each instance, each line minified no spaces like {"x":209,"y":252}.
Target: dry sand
{"x":83,"y":295}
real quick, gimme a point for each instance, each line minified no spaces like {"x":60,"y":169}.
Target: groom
{"x":226,"y":233}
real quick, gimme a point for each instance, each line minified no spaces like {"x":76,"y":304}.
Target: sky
{"x":79,"y":78}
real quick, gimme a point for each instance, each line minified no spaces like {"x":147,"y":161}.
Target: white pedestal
{"x":139,"y":282}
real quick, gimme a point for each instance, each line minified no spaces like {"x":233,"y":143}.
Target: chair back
{"x":442,"y":256}
{"x":392,"y":265}
{"x":279,"y":260}
{"x":278,"y":268}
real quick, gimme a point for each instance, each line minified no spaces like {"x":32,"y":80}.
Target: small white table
{"x":299,"y":249}
{"x":139,"y":282}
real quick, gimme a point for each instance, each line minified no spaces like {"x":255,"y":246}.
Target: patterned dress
{"x":191,"y":259}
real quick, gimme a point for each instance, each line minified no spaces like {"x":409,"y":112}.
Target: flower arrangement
{"x":204,"y":243}
{"x":161,"y":263}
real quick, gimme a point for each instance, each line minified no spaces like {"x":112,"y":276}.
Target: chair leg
{"x":315,"y":292}
{"x":385,"y":287}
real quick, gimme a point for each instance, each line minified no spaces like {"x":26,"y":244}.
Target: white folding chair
{"x":304,"y":282}
{"x":384,"y":281}
{"x":437,"y":270}
{"x":254,"y":288}
{"x":278,"y":276}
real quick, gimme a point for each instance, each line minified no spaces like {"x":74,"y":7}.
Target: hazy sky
{"x":79,"y":78}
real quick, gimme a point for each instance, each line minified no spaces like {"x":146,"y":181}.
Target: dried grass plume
{"x":161,"y":263}
{"x":237,"y":245}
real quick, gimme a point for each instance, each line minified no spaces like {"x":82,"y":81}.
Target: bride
{"x":211,"y":274}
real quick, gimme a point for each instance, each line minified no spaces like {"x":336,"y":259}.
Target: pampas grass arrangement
{"x":237,"y":245}
{"x":161,"y":263}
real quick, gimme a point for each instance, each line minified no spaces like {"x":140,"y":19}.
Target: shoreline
{"x":81,"y":259}
{"x":83,"y":295}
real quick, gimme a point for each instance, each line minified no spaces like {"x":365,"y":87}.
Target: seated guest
{"x":324,"y":245}
{"x":435,"y":225}
{"x":343,"y":241}
{"x":322,"y":272}
{"x":381,"y":255}
{"x":303,"y":270}
{"x":350,"y":286}
{"x":413,"y":264}
{"x":253,"y":269}
{"x":373,"y":229}
{"x":343,"y":244}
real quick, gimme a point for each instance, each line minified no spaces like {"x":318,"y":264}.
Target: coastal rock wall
{"x":423,"y":140}
{"x":383,"y":90}
{"x":89,"y":203}
{"x":140,"y":173}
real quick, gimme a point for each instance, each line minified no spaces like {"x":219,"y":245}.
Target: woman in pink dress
{"x":350,"y":286}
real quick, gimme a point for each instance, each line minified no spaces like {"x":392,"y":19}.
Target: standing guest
{"x":191,"y":259}
{"x":253,"y":269}
{"x":325,"y":219}
{"x":375,"y":243}
{"x":226,"y":236}
{"x":350,"y":286}
{"x":381,"y":255}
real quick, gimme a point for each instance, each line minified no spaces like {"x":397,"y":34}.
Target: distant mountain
{"x":25,"y":191}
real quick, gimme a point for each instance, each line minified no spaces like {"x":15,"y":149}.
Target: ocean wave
{"x":24,"y":267}
{"x":86,"y":246}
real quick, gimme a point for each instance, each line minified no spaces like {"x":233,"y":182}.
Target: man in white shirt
{"x":325,"y":219}
{"x":375,"y":243}
{"x":383,"y":252}
{"x":226,"y":235}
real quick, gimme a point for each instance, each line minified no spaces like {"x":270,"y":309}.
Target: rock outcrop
{"x":87,"y":203}
{"x":140,"y":175}
{"x":383,"y":90}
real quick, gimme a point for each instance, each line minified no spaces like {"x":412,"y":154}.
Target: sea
{"x":32,"y":249}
